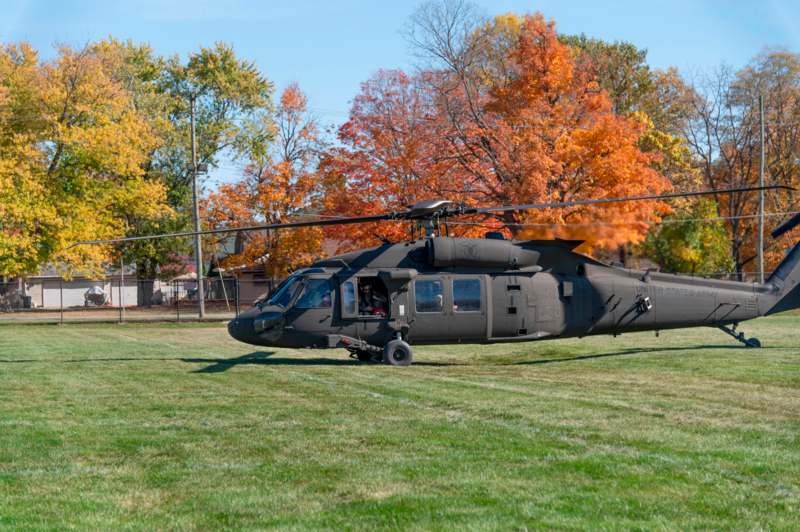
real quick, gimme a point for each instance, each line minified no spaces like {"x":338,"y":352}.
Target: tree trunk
{"x":145,"y":280}
{"x":145,"y":291}
{"x":737,"y":259}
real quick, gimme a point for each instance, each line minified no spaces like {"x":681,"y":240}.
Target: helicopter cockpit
{"x":271,"y":315}
{"x":314,"y":292}
{"x":364,"y":295}
{"x":304,"y":303}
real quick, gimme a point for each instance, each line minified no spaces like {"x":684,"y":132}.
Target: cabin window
{"x":316,"y":294}
{"x":466,"y":295}
{"x":373,"y":298}
{"x":349,"y":298}
{"x":428,"y":295}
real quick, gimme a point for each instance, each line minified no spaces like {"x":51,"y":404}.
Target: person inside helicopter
{"x":371,"y":299}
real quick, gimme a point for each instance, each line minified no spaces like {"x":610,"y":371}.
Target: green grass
{"x":180,"y":427}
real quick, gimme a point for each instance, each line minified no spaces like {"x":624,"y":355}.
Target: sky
{"x":330,"y":47}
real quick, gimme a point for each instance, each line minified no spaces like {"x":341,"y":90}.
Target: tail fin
{"x":785,"y":280}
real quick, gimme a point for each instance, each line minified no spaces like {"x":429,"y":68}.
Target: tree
{"x":233,"y":105}
{"x":688,"y":242}
{"x":620,"y":67}
{"x":280,"y":184}
{"x":392,"y":155}
{"x":774,"y":74}
{"x":72,"y":158}
{"x":724,"y":137}
{"x":658,"y":98}
{"x":500,"y":114}
{"x":525,"y":124}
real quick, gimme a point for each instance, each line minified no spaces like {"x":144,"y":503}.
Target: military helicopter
{"x":378,"y":302}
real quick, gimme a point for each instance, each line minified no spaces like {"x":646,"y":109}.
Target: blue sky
{"x":329,"y":47}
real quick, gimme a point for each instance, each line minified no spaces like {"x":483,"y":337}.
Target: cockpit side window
{"x":286,"y":293}
{"x":364,"y":297}
{"x":316,"y":294}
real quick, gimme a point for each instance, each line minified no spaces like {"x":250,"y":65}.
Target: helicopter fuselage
{"x":457,"y":290}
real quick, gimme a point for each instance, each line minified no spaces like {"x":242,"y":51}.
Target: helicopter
{"x":436,"y":289}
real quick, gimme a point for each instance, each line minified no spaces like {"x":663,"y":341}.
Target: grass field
{"x":180,"y":427}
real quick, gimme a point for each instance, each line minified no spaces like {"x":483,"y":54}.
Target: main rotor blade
{"x":309,"y":223}
{"x":413,"y":214}
{"x":786,"y":226}
{"x":656,"y":197}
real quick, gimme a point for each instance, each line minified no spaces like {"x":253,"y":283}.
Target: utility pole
{"x":198,"y":247}
{"x":121,"y":288}
{"x":761,"y":194}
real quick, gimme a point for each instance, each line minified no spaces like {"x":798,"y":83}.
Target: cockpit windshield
{"x":316,"y":294}
{"x":286,"y":291}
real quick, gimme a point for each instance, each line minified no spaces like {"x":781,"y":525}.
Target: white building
{"x":48,"y":290}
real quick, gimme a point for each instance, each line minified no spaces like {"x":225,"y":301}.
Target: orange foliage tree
{"x":391,"y":157}
{"x":279,"y":185}
{"x":502,"y":120}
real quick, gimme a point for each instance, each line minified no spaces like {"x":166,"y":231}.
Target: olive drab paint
{"x":471,"y":290}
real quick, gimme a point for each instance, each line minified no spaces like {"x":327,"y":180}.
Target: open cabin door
{"x":374,"y":305}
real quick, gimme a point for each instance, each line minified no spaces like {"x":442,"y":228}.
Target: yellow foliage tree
{"x":72,"y":149}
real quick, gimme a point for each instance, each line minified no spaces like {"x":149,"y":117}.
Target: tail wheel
{"x":752,"y":342}
{"x":397,"y":353}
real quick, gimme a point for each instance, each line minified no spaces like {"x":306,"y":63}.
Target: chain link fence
{"x":53,"y":300}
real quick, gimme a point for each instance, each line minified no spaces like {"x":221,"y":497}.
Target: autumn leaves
{"x":72,"y":155}
{"x":505,"y":110}
{"x":509,"y":115}
{"x":94,"y":144}
{"x":281,"y":183}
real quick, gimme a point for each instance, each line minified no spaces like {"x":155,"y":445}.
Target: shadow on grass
{"x":219,"y":365}
{"x":265,"y":358}
{"x":632,"y":351}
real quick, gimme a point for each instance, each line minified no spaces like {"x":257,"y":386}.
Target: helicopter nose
{"x":241,"y":328}
{"x":258,"y":328}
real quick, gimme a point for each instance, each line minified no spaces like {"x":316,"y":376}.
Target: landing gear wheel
{"x":364,"y":356}
{"x":397,"y":353}
{"x":752,"y":342}
{"x":731,"y":330}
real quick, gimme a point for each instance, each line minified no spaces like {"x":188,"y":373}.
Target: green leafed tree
{"x":233,"y":116}
{"x":687,"y":242}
